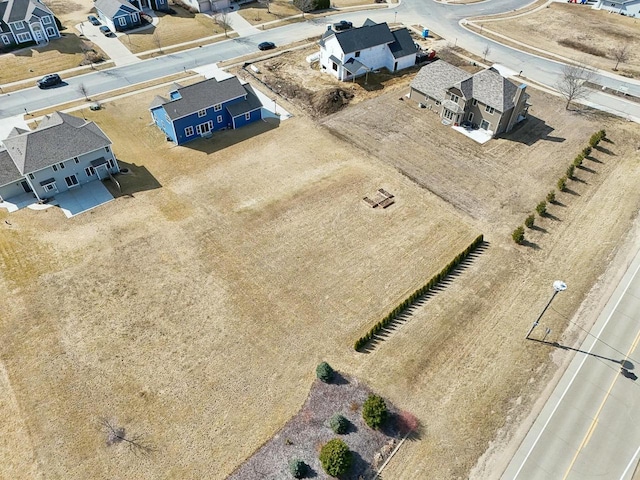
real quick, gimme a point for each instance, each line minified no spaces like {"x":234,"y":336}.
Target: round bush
{"x":541,"y":208}
{"x":339,"y":424}
{"x":335,"y":457}
{"x":551,"y":196}
{"x":324,"y":372}
{"x":529,"y":221}
{"x":518,"y":235}
{"x":374,"y":411}
{"x":298,"y":468}
{"x":562,"y":184}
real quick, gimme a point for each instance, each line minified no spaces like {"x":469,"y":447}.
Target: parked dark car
{"x":105,"y":31}
{"x":342,"y":25}
{"x":93,"y":20}
{"x":49,"y":81}
{"x":266,"y":45}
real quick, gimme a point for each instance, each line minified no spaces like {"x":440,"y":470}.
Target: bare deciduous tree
{"x":267,"y":3}
{"x":222,"y":19}
{"x":572,"y":84}
{"x":305,"y":6}
{"x":485,"y":52}
{"x":116,"y":434}
{"x":157,"y":39}
{"x":82,"y":89}
{"x":620,"y":54}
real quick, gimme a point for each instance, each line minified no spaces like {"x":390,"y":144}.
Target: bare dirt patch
{"x":256,"y":13}
{"x":561,"y":23}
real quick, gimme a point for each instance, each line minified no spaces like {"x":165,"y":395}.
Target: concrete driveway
{"x":82,"y":198}
{"x":112,"y":46}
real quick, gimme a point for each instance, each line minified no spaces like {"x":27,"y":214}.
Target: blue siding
{"x":129,"y":22}
{"x":241,"y":121}
{"x":162,"y":121}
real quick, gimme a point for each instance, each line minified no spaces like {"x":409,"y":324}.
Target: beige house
{"x":486,"y":98}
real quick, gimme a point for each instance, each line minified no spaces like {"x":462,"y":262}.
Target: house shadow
{"x":530,"y":131}
{"x":132,"y":179}
{"x":226,"y":138}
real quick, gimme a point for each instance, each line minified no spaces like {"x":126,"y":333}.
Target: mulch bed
{"x":303,"y":436}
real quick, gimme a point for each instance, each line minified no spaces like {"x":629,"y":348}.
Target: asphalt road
{"x":441,"y":18}
{"x":590,"y":427}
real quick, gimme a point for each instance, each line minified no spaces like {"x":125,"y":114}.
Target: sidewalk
{"x":239,"y":25}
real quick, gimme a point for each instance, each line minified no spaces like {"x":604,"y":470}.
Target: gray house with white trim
{"x":62,"y":153}
{"x":25,"y":21}
{"x":486,"y":98}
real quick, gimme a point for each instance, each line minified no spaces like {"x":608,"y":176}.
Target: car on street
{"x":49,"y":81}
{"x":266,"y":46}
{"x":342,"y":25}
{"x":105,"y":31}
{"x":93,"y":20}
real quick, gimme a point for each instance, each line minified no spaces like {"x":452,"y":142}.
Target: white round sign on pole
{"x":559,"y":286}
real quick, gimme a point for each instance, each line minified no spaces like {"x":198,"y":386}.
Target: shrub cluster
{"x":411,"y":299}
{"x":339,"y":424}
{"x":335,"y":457}
{"x":316,"y":5}
{"x":324,"y":372}
{"x":596,"y":138}
{"x":374,"y":411}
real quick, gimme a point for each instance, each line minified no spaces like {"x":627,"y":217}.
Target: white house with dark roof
{"x":354,"y":52}
{"x":208,"y":5}
{"x":200,"y":109}
{"x":631,"y":8}
{"x":118,"y":15}
{"x":486,"y":98}
{"x":62,"y":153}
{"x":24,"y":21}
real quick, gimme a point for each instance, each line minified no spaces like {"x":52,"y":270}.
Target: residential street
{"x":589,"y":427}
{"x":441,"y":18}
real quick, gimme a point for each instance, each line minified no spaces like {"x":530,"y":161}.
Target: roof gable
{"x":434,"y":79}
{"x":491,"y":88}
{"x":367,"y":36}
{"x":22,"y":10}
{"x":403,"y":44}
{"x":112,"y":8}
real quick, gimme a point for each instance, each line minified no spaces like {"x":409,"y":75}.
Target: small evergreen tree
{"x":339,"y":424}
{"x":562,"y":184}
{"x":529,"y":221}
{"x":335,"y":457}
{"x":551,"y":196}
{"x":324,"y":372}
{"x":374,"y":411}
{"x":541,"y":208}
{"x":570,"y":171}
{"x":298,"y":468}
{"x":518,"y":235}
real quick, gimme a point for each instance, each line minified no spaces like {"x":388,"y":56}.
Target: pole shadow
{"x":623,"y":362}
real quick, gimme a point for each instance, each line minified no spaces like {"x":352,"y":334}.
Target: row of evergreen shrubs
{"x":541,"y":208}
{"x":411,"y":299}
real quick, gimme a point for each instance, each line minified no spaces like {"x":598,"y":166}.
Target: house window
{"x":448,"y":114}
{"x":202,"y":113}
{"x":484,"y":125}
{"x":90,"y":171}
{"x":475,"y":102}
{"x":106,"y":149}
{"x":357,"y":54}
{"x":46,"y":20}
{"x":204,"y":127}
{"x":71,"y":180}
{"x":122,"y":22}
{"x":217,"y":108}
{"x":75,"y":159}
{"x":219,"y":119}
{"x":134,"y":17}
{"x":489,"y":109}
{"x":454,"y":98}
{"x":188,"y":131}
{"x":23,"y":37}
{"x":19,"y":25}
{"x":334,"y":65}
{"x":32,"y":176}
{"x":51,"y":32}
{"x":437,"y":103}
{"x":471,"y":116}
{"x":55,"y":168}
{"x":49,"y":186}
{"x":61,"y":165}
{"x":5,"y":40}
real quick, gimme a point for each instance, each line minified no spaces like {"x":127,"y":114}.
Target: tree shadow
{"x":339,"y":379}
{"x":587,"y":169}
{"x":558,"y":203}
{"x":551,"y":216}
{"x":533,"y":245}
{"x":579,"y":180}
{"x":571,"y":192}
{"x":538,"y":229}
{"x":604,"y":150}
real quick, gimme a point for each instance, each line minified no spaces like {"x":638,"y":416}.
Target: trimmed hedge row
{"x":411,"y":299}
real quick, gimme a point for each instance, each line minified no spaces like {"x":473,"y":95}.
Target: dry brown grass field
{"x":579,"y":23}
{"x":256,"y":13}
{"x":193,"y":309}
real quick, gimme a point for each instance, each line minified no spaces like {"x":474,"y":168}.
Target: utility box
{"x":425,"y":33}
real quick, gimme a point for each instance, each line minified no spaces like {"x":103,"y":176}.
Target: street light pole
{"x":558,"y":286}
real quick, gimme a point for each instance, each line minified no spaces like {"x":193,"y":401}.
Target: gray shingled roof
{"x":204,"y":94}
{"x":364,"y":37}
{"x":157,"y":101}
{"x":403,"y":44}
{"x":491,"y":88}
{"x":111,"y":7}
{"x":353,"y":66}
{"x":15,"y":10}
{"x":8,"y":171}
{"x":58,"y":138}
{"x":251,"y":103}
{"x":434,"y":79}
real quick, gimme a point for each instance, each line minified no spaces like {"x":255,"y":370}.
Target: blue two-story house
{"x":25,"y":21}
{"x":200,"y":109}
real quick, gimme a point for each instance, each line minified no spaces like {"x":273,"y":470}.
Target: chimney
{"x":329,"y":28}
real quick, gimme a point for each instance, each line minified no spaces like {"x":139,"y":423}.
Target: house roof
{"x":403,"y":44}
{"x":203,"y":95}
{"x":491,"y":88}
{"x":59,"y":137}
{"x":111,"y":7}
{"x":353,"y":66}
{"x":158,"y":101}
{"x":8,"y":171}
{"x":364,"y":37}
{"x":16,"y":10}
{"x":245,"y":106}
{"x":434,"y":79}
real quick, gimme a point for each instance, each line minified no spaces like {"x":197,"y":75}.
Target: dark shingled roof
{"x":364,"y":37}
{"x":251,"y":103}
{"x":111,"y":7}
{"x":203,"y":94}
{"x":58,"y":138}
{"x":8,"y":171}
{"x":16,"y":10}
{"x":403,"y":44}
